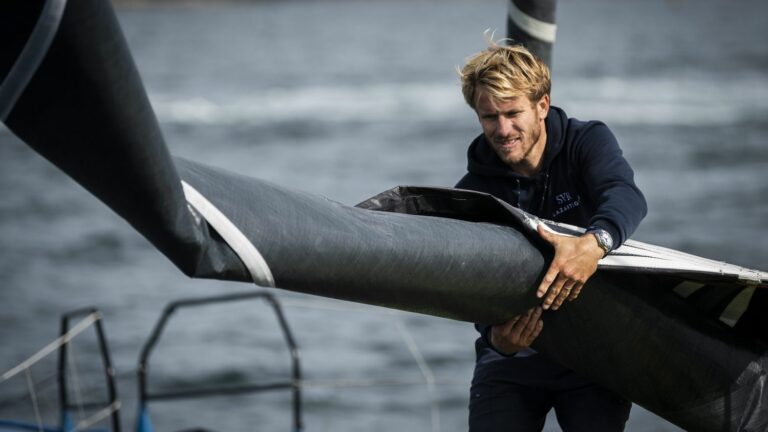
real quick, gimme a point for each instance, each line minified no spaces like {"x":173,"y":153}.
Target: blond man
{"x":533,"y":156}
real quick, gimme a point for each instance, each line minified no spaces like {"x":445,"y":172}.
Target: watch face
{"x":603,"y":239}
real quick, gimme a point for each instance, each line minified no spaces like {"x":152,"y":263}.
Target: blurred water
{"x":346,"y":99}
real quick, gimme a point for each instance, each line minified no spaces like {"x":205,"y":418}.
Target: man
{"x":533,"y":156}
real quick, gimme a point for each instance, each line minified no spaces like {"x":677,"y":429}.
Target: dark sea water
{"x":346,"y":99}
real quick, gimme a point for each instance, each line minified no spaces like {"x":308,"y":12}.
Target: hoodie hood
{"x":483,"y":160}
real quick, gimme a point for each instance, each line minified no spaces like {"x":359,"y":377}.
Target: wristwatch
{"x":604,"y":240}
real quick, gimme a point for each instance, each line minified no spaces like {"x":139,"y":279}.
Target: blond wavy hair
{"x":505,"y":72}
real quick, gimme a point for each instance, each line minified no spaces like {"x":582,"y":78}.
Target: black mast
{"x":532,"y":23}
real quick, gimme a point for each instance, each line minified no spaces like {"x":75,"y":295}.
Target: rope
{"x":51,"y":347}
{"x":26,"y":365}
{"x":33,"y":395}
{"x":43,"y":384}
{"x":382,"y":382}
{"x":333,"y":305}
{"x":76,"y":382}
{"x":99,"y":416}
{"x":426,"y":371}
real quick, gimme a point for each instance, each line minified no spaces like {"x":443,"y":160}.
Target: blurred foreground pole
{"x":532,"y":23}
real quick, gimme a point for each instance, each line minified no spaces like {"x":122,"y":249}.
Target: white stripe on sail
{"x":652,"y":262}
{"x":253,"y":260}
{"x":539,"y":29}
{"x":644,"y":257}
{"x":638,"y":254}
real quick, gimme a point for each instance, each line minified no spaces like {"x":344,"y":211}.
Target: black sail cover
{"x":464,"y":256}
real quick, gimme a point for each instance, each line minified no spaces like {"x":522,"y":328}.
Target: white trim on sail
{"x":539,"y":29}
{"x":643,"y":257}
{"x":634,"y":254}
{"x":251,"y":257}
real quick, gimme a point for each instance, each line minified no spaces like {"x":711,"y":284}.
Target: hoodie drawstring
{"x":543,"y":192}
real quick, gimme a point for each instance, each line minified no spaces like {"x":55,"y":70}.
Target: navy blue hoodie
{"x":584,"y":181}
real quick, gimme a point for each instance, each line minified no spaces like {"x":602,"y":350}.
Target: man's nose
{"x":505,"y":126}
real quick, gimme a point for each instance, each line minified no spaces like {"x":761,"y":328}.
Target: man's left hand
{"x":574,"y":262}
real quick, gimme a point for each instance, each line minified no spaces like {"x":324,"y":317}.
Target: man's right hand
{"x":518,"y":333}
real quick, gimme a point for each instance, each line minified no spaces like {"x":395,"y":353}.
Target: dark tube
{"x":532,"y":23}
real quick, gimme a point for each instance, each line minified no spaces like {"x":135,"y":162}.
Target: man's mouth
{"x":508,"y":142}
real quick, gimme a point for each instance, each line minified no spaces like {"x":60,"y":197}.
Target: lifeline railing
{"x":90,"y":317}
{"x":113,"y":409}
{"x":294,"y":384}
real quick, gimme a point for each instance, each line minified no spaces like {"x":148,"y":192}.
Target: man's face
{"x":514,"y":128}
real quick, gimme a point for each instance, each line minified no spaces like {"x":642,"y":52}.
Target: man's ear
{"x":543,"y":106}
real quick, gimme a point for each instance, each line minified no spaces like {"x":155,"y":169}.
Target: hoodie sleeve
{"x":620,"y":206}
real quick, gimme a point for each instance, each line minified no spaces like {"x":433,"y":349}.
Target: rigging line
{"x":43,"y":384}
{"x":33,"y":396}
{"x":429,"y":377}
{"x":53,"y":346}
{"x":76,"y":382}
{"x":373,"y":382}
{"x":333,"y":305}
{"x":99,"y":416}
{"x":426,"y":371}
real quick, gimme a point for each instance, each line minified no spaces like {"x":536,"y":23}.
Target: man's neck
{"x":532,"y":164}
